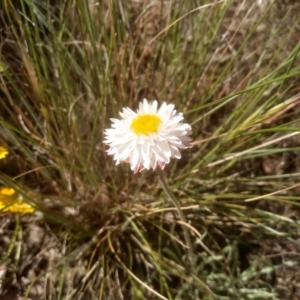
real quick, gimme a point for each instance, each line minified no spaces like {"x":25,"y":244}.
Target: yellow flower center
{"x":3,"y":152}
{"x":146,"y":124}
{"x":12,"y":202}
{"x":7,"y":191}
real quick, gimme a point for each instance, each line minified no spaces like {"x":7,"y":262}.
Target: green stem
{"x":190,"y":252}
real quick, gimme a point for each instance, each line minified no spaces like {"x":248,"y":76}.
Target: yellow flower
{"x":3,"y":152}
{"x":11,"y":201}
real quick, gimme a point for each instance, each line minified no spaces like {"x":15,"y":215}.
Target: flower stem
{"x":190,"y":252}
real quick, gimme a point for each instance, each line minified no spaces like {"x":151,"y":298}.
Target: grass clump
{"x":102,"y":232}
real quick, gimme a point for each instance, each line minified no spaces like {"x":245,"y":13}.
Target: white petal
{"x":155,"y":150}
{"x":153,"y":107}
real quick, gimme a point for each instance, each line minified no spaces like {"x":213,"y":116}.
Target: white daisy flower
{"x":148,"y":138}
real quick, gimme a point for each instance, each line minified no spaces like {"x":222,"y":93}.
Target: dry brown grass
{"x":103,"y":233}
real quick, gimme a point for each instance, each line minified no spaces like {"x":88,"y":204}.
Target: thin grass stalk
{"x":190,"y":252}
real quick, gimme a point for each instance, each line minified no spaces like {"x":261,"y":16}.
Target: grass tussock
{"x":100,"y":232}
